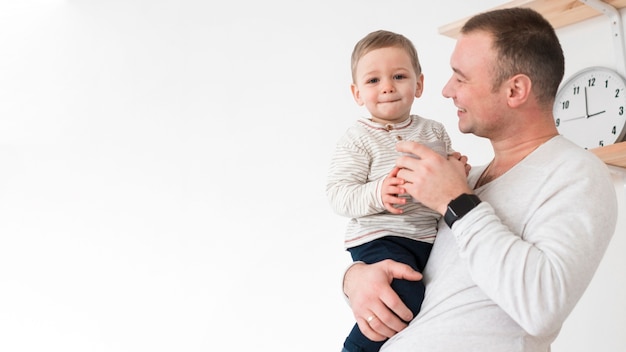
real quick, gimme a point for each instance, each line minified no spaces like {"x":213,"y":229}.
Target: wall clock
{"x":589,"y":108}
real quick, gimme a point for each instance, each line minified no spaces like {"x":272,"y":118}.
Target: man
{"x":521,"y":237}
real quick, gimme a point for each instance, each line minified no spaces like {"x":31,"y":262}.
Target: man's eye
{"x":458,"y":78}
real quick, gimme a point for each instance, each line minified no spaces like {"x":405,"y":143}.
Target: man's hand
{"x":378,"y":310}
{"x":432,"y":179}
{"x":462,"y":158}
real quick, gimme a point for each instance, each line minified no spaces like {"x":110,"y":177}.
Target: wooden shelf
{"x":559,"y":13}
{"x":614,"y":154}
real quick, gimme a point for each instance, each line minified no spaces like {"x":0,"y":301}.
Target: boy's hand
{"x":390,"y":191}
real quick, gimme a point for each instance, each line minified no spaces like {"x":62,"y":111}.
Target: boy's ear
{"x":356,"y":94}
{"x":420,"y":86}
{"x":519,"y":89}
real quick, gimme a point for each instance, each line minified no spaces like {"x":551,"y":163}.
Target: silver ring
{"x":370,"y":318}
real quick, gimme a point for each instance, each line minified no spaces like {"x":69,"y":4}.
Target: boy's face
{"x":386,"y":84}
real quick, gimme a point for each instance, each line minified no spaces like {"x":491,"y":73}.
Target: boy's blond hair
{"x":384,"y":39}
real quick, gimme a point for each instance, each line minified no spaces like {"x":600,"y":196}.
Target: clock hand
{"x":583,"y":117}
{"x":575,"y":118}
{"x":586,"y":105}
{"x":597,"y":113}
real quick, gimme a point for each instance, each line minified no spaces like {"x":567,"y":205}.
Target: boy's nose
{"x":388,"y":89}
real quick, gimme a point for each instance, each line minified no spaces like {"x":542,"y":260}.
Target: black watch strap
{"x":460,"y":206}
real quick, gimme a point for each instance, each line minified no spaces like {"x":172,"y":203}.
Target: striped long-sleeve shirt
{"x":364,"y":156}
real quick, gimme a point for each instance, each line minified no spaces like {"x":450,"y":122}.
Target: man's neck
{"x":508,"y":153}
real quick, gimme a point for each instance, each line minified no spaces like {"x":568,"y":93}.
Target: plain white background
{"x":163,"y":168}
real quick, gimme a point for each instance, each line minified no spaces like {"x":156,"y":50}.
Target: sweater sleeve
{"x":349,"y":191}
{"x":538,"y":274}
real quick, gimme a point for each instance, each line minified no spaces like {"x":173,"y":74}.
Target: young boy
{"x":363,"y":183}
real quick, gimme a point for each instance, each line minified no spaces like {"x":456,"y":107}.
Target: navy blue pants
{"x":403,"y":250}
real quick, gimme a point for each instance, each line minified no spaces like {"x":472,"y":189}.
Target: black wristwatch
{"x":460,"y":206}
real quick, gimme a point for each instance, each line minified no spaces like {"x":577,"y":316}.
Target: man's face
{"x":471,"y":85}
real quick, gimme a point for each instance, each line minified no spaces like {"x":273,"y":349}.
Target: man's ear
{"x":420,"y":86}
{"x":356,"y":94}
{"x":519,"y":90}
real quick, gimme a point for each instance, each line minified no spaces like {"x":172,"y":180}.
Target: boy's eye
{"x":373,"y":80}
{"x":399,"y":77}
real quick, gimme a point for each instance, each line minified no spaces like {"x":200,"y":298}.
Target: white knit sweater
{"x":508,"y":274}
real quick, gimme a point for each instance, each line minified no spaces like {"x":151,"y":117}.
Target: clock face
{"x":589,"y":108}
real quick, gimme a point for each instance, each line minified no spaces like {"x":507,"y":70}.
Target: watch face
{"x":589,"y":108}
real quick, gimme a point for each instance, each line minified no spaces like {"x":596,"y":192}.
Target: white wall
{"x":163,"y":166}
